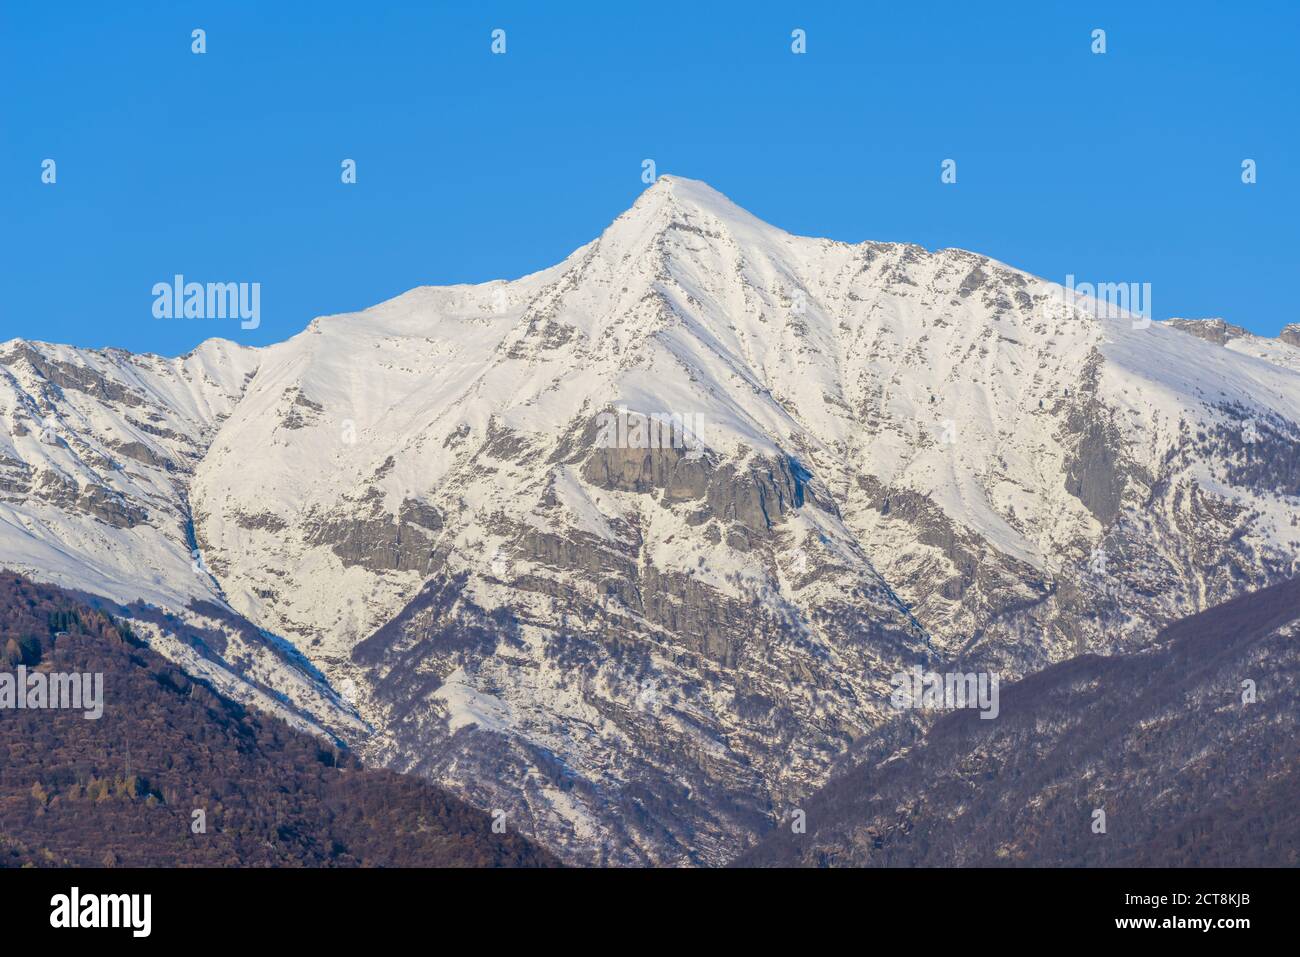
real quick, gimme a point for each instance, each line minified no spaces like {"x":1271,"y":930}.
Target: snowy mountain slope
{"x":108,"y":436}
{"x":463,"y":452}
{"x":96,"y":456}
{"x":883,"y":456}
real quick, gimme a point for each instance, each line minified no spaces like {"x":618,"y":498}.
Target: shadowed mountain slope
{"x":1189,"y":772}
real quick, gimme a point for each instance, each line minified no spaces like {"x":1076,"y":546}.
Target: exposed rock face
{"x":74,"y":377}
{"x":1093,"y":469}
{"x":110,"y":507}
{"x":1211,"y":330}
{"x":643,"y":470}
{"x":302,"y":412}
{"x":379,"y":541}
{"x":1281,"y":351}
{"x":756,"y":495}
{"x":640,"y":652}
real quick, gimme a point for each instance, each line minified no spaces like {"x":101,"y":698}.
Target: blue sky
{"x":226,"y":167}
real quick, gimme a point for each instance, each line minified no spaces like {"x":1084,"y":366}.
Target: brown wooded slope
{"x":121,"y":790}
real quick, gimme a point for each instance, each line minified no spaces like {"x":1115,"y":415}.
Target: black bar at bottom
{"x":223,"y":907}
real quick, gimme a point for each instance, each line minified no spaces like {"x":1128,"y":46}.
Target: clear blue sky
{"x":1117,"y":167}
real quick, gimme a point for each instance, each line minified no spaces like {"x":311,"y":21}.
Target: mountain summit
{"x":448,"y":529}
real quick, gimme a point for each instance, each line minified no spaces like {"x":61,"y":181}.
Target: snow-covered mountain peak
{"x":693,"y":198}
{"x":883,"y":455}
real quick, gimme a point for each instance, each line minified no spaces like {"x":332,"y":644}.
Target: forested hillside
{"x":124,"y":789}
